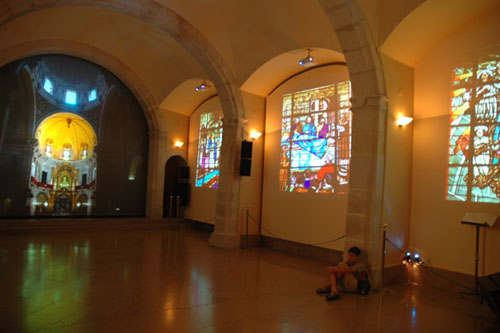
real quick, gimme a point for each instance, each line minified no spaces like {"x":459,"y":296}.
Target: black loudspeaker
{"x":246,"y":158}
{"x":184,"y":172}
{"x":246,"y":149}
{"x":182,"y":190}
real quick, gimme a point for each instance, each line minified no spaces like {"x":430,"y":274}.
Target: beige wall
{"x":176,"y":127}
{"x":299,"y":217}
{"x":398,"y":158}
{"x":202,"y":201}
{"x":435,"y":223}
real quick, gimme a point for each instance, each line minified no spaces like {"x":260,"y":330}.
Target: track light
{"x":407,"y":257}
{"x":417,"y":259}
{"x":203,"y":86}
{"x":307,"y":61}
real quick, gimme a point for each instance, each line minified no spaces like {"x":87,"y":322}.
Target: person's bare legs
{"x":335,"y":273}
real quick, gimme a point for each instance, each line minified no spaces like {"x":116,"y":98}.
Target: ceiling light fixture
{"x":203,"y":86}
{"x":307,"y":61}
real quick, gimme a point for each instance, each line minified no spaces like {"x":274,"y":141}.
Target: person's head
{"x":353,"y":254}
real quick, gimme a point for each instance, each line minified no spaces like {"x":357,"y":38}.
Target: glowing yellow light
{"x":255,"y":135}
{"x":178,"y":144}
{"x":403,"y":121}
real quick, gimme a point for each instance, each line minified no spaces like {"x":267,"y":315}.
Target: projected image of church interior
{"x":73,"y":143}
{"x":474,"y":146}
{"x":316,"y":140}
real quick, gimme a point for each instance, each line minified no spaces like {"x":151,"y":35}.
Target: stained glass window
{"x":92,"y":95}
{"x":48,"y":86}
{"x":70,"y":97}
{"x":474,"y":141}
{"x":209,"y":143}
{"x":316,"y":140}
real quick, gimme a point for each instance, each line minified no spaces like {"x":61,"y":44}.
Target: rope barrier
{"x":430,"y":269}
{"x":278,"y":237}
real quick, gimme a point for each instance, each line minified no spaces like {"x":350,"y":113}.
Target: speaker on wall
{"x":246,"y":158}
{"x":245,"y":167}
{"x":184,"y":172}
{"x":246,"y":149}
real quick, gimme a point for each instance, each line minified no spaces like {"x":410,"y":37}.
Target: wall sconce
{"x":178,"y":144}
{"x":255,"y":135}
{"x":403,"y":121}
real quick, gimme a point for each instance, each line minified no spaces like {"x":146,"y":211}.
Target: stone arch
{"x":221,"y":75}
{"x":369,"y":106}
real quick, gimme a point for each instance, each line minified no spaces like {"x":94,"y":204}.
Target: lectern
{"x":478,"y":220}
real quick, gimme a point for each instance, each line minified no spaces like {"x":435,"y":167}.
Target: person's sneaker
{"x":324,"y":290}
{"x":333,"y":297}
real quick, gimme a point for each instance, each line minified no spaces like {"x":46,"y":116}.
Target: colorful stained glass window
{"x":209,"y":143}
{"x":474,"y":141}
{"x":316,"y":140}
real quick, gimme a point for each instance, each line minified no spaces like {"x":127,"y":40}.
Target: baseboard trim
{"x":302,"y":250}
{"x":200,"y":225}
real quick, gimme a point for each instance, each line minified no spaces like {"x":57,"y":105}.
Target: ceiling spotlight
{"x":307,"y":61}
{"x":203,"y":86}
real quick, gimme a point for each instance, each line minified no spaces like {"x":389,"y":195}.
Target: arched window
{"x":474,"y":140}
{"x":70,"y":97}
{"x":48,"y":147}
{"x":48,"y":86}
{"x":92,"y":95}
{"x":66,"y":154}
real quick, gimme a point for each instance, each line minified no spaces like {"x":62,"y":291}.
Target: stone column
{"x":226,"y":234}
{"x":366,"y":182}
{"x":156,"y":174}
{"x":369,"y":106}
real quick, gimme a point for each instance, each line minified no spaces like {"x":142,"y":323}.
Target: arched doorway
{"x":176,"y":186}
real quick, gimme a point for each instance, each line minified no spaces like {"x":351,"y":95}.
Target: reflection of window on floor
{"x":209,"y":143}
{"x":474,"y":140}
{"x":316,"y":140}
{"x":44,"y":176}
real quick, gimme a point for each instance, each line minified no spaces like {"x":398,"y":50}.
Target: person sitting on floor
{"x":345,"y":273}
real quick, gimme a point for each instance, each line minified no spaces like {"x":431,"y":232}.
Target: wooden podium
{"x":478,"y":220}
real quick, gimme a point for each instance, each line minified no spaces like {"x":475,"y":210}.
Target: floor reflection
{"x":172,"y":281}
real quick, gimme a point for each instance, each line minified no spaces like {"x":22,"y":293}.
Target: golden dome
{"x":66,"y":136}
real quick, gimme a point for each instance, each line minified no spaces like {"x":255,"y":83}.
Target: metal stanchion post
{"x":246,"y":235}
{"x":384,"y":235}
{"x":177,"y":205}
{"x":171,"y":209}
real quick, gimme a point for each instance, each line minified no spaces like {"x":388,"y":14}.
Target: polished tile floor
{"x":172,"y":281}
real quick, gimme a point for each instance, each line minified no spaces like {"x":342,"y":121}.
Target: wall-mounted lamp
{"x":255,"y":135}
{"x":178,"y":144}
{"x":403,"y":121}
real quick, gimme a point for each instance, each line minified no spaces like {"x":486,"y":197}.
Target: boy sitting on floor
{"x":345,"y":273}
